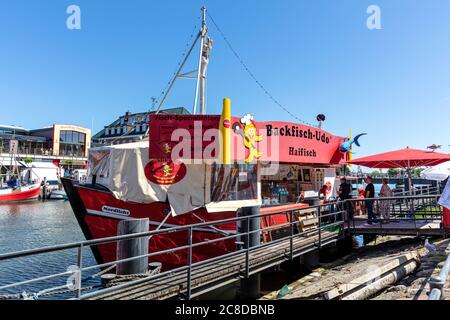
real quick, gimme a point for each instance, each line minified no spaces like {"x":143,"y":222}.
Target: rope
{"x":124,"y":278}
{"x":10,"y":296}
{"x":250,"y":73}
{"x":44,"y":293}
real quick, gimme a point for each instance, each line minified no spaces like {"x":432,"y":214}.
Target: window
{"x":233,"y":182}
{"x":75,"y":137}
{"x":73,"y":143}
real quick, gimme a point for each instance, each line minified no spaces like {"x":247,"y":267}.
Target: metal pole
{"x":437,"y":283}
{"x":247,"y":252}
{"x":409,"y":177}
{"x":80,"y":267}
{"x":291,"y":243}
{"x":202,"y":34}
{"x":319,"y":213}
{"x":189,"y":275}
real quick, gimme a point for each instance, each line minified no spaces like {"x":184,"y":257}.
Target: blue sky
{"x":313,"y":56}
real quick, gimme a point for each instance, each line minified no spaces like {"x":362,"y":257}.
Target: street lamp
{"x":320,"y":118}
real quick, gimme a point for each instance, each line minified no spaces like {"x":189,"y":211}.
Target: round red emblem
{"x":226,"y":123}
{"x":164,"y":172}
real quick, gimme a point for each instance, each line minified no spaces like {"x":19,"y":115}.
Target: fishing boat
{"x":16,"y":189}
{"x":222,"y":164}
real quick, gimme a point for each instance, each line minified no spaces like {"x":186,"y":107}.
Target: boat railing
{"x":416,"y":211}
{"x":330,"y":217}
{"x":418,"y":191}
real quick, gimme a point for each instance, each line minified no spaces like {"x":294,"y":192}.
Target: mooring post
{"x":250,"y":235}
{"x":44,"y":189}
{"x":132,"y":247}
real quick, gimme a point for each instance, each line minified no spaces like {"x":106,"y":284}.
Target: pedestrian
{"x":385,"y":205}
{"x":369,"y":194}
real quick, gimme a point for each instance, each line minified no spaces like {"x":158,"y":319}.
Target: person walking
{"x":369,"y":194}
{"x":385,"y":205}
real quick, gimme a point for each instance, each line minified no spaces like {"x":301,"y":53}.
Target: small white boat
{"x":57,"y":195}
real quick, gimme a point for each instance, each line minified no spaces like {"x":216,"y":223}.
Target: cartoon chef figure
{"x":250,"y":138}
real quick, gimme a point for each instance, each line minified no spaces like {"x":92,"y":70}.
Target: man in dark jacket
{"x":345,"y":193}
{"x":369,"y":194}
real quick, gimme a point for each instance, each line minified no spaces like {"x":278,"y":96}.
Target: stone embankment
{"x":391,"y":268}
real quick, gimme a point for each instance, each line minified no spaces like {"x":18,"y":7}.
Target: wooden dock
{"x":428,"y":227}
{"x":216,"y":274}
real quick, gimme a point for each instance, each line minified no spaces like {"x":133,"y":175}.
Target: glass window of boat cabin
{"x":290,"y":182}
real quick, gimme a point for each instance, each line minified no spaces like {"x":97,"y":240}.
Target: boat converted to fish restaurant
{"x":201,"y":168}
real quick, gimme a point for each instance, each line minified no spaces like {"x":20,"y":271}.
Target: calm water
{"x":32,"y":225}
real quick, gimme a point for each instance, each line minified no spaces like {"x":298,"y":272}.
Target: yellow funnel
{"x":225,"y":132}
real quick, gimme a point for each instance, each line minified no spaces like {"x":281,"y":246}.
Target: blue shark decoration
{"x":346,"y":146}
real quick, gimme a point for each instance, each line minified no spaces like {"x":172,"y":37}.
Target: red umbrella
{"x":404,"y":158}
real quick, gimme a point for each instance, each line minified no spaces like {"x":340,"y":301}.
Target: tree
{"x":376,"y":174}
{"x":393,"y":172}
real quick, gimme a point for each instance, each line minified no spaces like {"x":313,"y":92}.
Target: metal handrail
{"x":80,"y":245}
{"x":88,"y":243}
{"x":339,"y":210}
{"x":437,"y":283}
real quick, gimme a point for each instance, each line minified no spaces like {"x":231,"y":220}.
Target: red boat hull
{"x":98,"y":213}
{"x":21,"y":195}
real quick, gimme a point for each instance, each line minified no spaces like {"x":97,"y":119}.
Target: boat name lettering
{"x":122,"y":212}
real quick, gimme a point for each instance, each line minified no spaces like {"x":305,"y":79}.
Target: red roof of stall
{"x":404,"y":158}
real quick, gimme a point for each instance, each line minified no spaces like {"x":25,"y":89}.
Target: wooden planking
{"x":397,"y":228}
{"x":210,"y":274}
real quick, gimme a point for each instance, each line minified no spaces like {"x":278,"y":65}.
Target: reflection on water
{"x":33,"y":225}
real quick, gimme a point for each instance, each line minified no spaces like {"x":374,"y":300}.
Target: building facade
{"x":130,"y":127}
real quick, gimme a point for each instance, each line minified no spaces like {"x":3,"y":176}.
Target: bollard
{"x":132,"y":247}
{"x":250,"y":287}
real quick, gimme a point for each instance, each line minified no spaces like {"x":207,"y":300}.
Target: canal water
{"x":33,"y":225}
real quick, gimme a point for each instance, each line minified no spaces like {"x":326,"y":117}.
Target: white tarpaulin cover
{"x":437,"y":173}
{"x":120,"y":168}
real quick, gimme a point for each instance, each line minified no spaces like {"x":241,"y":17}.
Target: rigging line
{"x":193,"y":33}
{"x":238,"y":57}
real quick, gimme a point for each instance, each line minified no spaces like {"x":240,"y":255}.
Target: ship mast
{"x":205,"y":48}
{"x":200,"y":87}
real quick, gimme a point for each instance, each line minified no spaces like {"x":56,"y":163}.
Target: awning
{"x":403,"y":158}
{"x":437,"y":173}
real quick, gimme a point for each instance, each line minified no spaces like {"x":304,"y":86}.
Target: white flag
{"x":445,"y":197}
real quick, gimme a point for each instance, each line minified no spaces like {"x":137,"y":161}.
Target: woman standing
{"x":385,"y":205}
